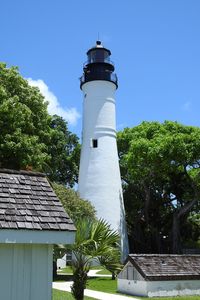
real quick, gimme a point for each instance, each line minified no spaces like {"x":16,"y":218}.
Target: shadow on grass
{"x":61,"y":277}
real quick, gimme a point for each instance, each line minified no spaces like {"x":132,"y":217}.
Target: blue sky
{"x":155,"y":45}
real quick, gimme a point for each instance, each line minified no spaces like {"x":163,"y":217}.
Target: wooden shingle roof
{"x":166,"y":266}
{"x":27,"y":201}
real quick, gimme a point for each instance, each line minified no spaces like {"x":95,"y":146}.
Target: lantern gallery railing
{"x":90,"y":76}
{"x":98,"y":60}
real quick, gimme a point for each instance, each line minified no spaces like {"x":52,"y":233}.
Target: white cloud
{"x":187,"y":106}
{"x":71,"y":115}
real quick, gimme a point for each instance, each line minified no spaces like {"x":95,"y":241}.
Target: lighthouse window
{"x":94,"y":143}
{"x":98,"y":55}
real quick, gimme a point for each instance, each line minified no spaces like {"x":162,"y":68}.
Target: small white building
{"x":31,"y":220}
{"x":159,"y":275}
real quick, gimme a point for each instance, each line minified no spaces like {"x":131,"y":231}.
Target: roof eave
{"x":23,"y":236}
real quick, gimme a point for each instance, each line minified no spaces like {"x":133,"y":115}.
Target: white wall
{"x":61,"y":262}
{"x":159,"y":288}
{"x":130,"y":273}
{"x":132,"y":287}
{"x":25,"y":272}
{"x":99,"y":174}
{"x":131,"y":282}
{"x":173,"y":288}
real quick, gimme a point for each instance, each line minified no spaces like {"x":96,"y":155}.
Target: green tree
{"x":76,"y":207}
{"x":93,"y":240}
{"x":192,"y":229}
{"x":24,"y":122}
{"x":160,"y":166}
{"x":195,"y":218}
{"x":29,"y":136}
{"x":64,"y":152}
{"x":111,"y":262}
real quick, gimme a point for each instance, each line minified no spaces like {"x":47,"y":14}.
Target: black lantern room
{"x":98,"y":66}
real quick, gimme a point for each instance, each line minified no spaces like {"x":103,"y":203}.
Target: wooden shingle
{"x":166,"y":266}
{"x":27,"y":201}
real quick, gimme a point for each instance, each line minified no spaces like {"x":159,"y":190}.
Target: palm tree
{"x":111,"y":262}
{"x":94,"y":240}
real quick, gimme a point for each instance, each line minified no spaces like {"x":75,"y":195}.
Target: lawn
{"x":107,"y":285}
{"x":102,"y":284}
{"x":68,"y":270}
{"x":110,"y":286}
{"x":60,"y":295}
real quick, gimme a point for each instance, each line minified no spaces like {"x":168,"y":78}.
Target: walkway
{"x":92,"y":273}
{"x":66,"y":286}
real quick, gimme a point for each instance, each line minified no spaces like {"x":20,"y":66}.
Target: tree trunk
{"x":176,"y":248}
{"x":79,"y":284}
{"x":176,"y":245}
{"x":113,"y":276}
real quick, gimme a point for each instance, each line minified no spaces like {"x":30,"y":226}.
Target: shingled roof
{"x":166,"y":267}
{"x":27,"y":201}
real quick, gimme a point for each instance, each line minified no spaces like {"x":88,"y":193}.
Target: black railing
{"x":99,"y":76}
{"x":98,"y":60}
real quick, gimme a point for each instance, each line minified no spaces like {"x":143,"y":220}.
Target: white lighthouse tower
{"x":99,"y":173}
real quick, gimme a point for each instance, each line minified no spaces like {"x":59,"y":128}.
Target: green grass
{"x":68,"y":270}
{"x":97,"y":268}
{"x":108,"y":285}
{"x":61,"y":295}
{"x":102,"y":284}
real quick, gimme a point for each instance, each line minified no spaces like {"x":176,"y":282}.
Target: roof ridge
{"x":22,"y":172}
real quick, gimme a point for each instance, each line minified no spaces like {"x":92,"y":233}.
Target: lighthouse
{"x":99,"y":173}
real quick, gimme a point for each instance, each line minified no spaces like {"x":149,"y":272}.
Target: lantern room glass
{"x":98,"y":55}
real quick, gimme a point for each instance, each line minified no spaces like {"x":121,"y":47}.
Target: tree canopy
{"x":29,"y":137}
{"x":160,"y":166}
{"x":64,"y":153}
{"x":24,"y":122}
{"x":76,"y":207}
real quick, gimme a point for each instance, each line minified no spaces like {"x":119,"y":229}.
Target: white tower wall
{"x":99,"y":175}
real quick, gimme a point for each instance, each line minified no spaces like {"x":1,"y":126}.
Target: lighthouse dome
{"x":98,"y":65}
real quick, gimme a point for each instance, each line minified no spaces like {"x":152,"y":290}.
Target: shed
{"x":157,"y":275}
{"x":31,"y":220}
